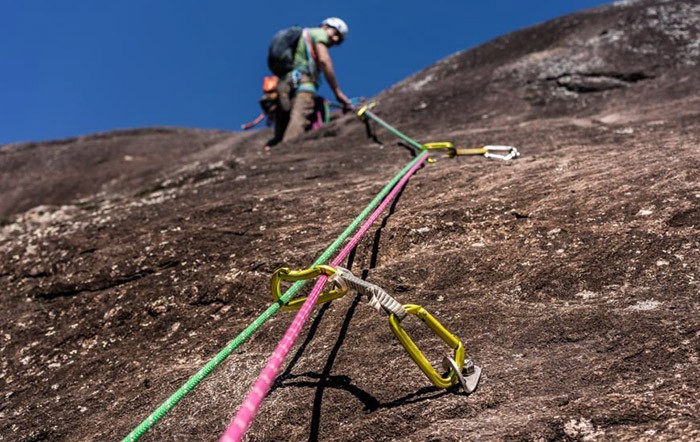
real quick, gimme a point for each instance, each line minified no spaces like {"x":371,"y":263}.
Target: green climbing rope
{"x":192,"y":382}
{"x":364,"y":112}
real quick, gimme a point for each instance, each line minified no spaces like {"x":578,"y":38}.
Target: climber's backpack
{"x":280,"y":55}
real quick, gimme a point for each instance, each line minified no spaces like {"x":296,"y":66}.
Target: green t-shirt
{"x":301,"y":56}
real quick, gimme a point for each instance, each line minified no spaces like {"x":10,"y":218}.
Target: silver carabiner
{"x":511,"y":155}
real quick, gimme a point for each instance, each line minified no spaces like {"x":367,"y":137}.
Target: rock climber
{"x":297,"y":89}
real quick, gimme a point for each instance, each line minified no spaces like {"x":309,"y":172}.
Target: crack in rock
{"x":62,"y":289}
{"x":597,"y":82}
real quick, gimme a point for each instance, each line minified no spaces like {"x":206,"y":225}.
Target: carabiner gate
{"x":439,"y":146}
{"x":285,"y":274}
{"x":453,"y":376}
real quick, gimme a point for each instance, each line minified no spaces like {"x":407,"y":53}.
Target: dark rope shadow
{"x":370,"y":403}
{"x":411,"y":149}
{"x":371,"y":134}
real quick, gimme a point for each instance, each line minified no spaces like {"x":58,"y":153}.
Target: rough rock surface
{"x":129,"y":259}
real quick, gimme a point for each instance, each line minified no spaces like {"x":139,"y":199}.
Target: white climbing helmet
{"x":340,"y":25}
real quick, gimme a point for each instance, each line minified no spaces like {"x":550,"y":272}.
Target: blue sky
{"x":75,"y":67}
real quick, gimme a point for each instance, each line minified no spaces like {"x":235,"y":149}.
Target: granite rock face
{"x":128,"y":259}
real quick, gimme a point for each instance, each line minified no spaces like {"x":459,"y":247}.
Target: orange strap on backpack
{"x":270,"y":83}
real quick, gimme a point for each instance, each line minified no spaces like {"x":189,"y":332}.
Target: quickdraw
{"x":457,"y":370}
{"x":486,"y":151}
{"x":288,"y":275}
{"x":365,"y":114}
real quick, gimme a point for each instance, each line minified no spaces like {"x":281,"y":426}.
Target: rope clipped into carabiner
{"x":341,"y":279}
{"x":247,"y":411}
{"x":379,"y":300}
{"x":379,"y":200}
{"x":285,"y":274}
{"x":365,"y":114}
{"x":458,"y":370}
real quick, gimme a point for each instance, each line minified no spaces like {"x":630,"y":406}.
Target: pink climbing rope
{"x":246,"y":413}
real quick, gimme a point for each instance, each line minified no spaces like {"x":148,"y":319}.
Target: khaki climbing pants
{"x":300,"y":115}
{"x":292,"y":117}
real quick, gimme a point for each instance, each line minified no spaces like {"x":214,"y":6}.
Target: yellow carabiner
{"x":412,"y":349}
{"x":285,"y":274}
{"x":439,"y":145}
{"x":365,"y":108}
